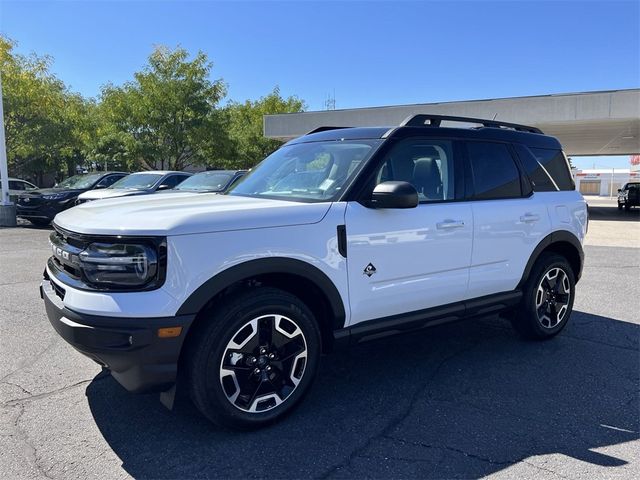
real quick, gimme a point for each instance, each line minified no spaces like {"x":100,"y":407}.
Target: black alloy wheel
{"x":252,"y":357}
{"x":263,"y":363}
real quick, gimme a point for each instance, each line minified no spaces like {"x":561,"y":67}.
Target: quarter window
{"x":556,"y":165}
{"x":427,"y":164}
{"x":494,"y":172}
{"x":540,"y":177}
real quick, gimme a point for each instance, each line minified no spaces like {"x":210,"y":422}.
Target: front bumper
{"x":46,"y":210}
{"x":130,"y":347}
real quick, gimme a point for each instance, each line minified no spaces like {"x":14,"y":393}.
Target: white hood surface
{"x":100,"y":193}
{"x":186,"y":213}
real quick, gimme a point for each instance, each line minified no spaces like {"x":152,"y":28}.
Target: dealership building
{"x":603,"y":182}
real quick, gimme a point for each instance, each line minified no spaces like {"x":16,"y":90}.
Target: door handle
{"x":529,"y":218}
{"x":449,"y":224}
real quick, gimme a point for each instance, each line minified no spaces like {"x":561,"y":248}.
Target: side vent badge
{"x":369,"y":270}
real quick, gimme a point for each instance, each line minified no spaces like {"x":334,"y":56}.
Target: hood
{"x":101,"y":193}
{"x":186,"y":213}
{"x":50,"y":191}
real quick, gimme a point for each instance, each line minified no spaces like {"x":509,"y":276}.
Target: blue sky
{"x":370,"y":53}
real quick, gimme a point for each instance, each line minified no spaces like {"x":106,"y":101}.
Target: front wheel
{"x":547,"y":301}
{"x":254,"y":359}
{"x":620,"y":205}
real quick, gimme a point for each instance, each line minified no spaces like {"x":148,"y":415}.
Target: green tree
{"x":166,"y":116}
{"x":248,"y":144}
{"x":46,"y":125}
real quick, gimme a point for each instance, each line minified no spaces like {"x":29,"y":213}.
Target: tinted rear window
{"x":555,"y":164}
{"x":495,"y":174}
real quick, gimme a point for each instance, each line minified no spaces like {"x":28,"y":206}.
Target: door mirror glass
{"x":164,"y":186}
{"x":394,"y":195}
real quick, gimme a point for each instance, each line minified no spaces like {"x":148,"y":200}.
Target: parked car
{"x":213,"y":181}
{"x":629,"y":196}
{"x":16,"y":187}
{"x":39,"y":206}
{"x":239,"y":294}
{"x":141,"y":183}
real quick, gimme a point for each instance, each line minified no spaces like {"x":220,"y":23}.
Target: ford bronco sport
{"x":340,"y":236}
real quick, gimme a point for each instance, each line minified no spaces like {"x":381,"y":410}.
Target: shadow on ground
{"x":611,"y":213}
{"x":462,"y":400}
{"x":22,"y":223}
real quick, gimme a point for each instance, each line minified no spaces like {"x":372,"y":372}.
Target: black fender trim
{"x":201,"y":296}
{"x":554,"y":237}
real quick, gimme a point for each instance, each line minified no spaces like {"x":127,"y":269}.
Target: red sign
{"x":634,"y":159}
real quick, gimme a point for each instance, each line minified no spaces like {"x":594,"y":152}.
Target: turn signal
{"x":169,"y":332}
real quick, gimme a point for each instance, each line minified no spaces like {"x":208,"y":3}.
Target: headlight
{"x":54,"y":196}
{"x":120,"y":265}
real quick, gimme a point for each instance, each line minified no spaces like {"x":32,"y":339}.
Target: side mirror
{"x":619,"y":190}
{"x":100,"y":186}
{"x":164,"y":186}
{"x":394,"y":195}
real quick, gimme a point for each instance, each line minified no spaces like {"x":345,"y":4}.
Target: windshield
{"x":137,"y":181}
{"x":79,"y":181}
{"x":209,"y":181}
{"x":317,"y":171}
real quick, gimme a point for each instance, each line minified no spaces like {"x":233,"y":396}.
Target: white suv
{"x":340,"y":236}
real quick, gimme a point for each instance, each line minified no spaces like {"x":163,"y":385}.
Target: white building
{"x":603,"y":181}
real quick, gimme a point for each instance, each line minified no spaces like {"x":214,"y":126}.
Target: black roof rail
{"x":324,"y":129}
{"x":426,"y":120}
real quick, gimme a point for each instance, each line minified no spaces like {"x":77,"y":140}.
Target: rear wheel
{"x":255,"y":359}
{"x":548,"y":297}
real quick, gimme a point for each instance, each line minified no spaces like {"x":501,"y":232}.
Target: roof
{"x":342,"y":134}
{"x":536,"y":140}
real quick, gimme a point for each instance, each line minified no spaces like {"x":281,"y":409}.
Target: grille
{"x":30,"y":200}
{"x":66,"y":250}
{"x":59,"y":291}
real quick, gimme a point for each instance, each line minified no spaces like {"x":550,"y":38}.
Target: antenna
{"x":330,"y":103}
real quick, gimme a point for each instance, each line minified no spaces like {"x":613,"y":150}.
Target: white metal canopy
{"x":590,"y":123}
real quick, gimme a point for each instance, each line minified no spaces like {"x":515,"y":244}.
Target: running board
{"x":412,"y":321}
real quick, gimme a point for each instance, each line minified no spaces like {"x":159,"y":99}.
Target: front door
{"x":406,"y":260}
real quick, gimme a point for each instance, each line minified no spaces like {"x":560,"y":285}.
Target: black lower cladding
{"x":130,"y":347}
{"x":411,"y":321}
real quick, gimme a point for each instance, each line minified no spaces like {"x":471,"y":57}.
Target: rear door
{"x":509,"y":219}
{"x":407,"y":260}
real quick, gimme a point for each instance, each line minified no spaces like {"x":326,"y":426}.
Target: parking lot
{"x":463,"y":400}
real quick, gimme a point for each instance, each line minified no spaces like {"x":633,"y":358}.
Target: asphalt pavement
{"x":464,"y":400}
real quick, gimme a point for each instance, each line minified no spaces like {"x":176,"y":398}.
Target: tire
{"x":620,"y":206}
{"x":39,"y":222}
{"x":627,"y":207}
{"x":254,"y":359}
{"x":547,"y":300}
